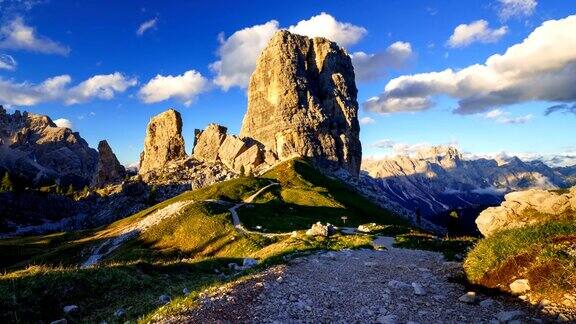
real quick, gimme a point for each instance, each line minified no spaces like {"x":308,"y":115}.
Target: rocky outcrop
{"x":207,"y":143}
{"x":237,"y":154}
{"x":163,"y":142}
{"x":39,"y":153}
{"x":109,"y":170}
{"x":302,"y":102}
{"x":528,"y":207}
{"x":231,"y":148}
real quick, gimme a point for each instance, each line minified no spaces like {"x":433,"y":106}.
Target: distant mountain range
{"x":438,"y":180}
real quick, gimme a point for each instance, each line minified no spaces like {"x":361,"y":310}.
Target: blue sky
{"x":82,"y":40}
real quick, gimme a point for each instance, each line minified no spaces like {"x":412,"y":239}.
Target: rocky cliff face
{"x":35,"y":150}
{"x":302,"y":102}
{"x":163,"y":142}
{"x":528,"y":207}
{"x":239,"y":154}
{"x":438,"y":180}
{"x":109,"y":170}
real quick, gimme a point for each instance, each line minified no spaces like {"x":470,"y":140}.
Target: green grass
{"x":42,"y":275}
{"x":304,"y":197}
{"x":453,"y":248}
{"x":202,"y":230}
{"x":539,"y":253}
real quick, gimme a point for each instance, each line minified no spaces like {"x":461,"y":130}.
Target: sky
{"x":490,"y":77}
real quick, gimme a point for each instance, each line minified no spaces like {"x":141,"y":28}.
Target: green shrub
{"x":6,"y":184}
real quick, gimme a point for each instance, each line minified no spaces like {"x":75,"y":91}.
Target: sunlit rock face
{"x":40,"y":153}
{"x":302,"y":102}
{"x":528,"y":207}
{"x":163,"y":143}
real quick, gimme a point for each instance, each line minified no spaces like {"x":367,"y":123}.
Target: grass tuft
{"x":545,"y":254}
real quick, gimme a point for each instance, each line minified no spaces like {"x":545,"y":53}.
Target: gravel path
{"x":363,"y":286}
{"x":236,"y":219}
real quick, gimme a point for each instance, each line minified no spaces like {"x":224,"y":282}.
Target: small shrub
{"x":6,"y":184}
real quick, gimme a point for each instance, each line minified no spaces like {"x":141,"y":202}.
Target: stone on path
{"x":418,"y":290}
{"x":70,"y":309}
{"x":520,"y":287}
{"x":468,"y":298}
{"x":507,"y":316}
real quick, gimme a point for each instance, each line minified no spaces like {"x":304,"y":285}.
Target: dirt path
{"x":363,"y":286}
{"x":132,"y":231}
{"x":236,"y":219}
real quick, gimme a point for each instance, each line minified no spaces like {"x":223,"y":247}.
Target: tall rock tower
{"x":163,"y":142}
{"x":109,"y":170}
{"x":302,"y":102}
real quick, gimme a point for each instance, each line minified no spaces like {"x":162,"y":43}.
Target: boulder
{"x":302,"y":102}
{"x":371,"y":228}
{"x":119,"y":312}
{"x":70,"y":309}
{"x":528,"y":207}
{"x":519,"y":287}
{"x":163,"y":143}
{"x":231,"y":148}
{"x":319,"y":229}
{"x":468,"y":298}
{"x":208,"y":142}
{"x":109,"y":170}
{"x":248,"y":160}
{"x":164,"y":299}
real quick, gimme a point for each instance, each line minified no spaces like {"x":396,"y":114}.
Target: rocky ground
{"x":365,"y":286}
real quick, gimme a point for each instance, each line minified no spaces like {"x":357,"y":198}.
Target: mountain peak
{"x":439,"y":152}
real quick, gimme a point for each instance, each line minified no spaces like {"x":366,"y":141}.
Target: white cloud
{"x":515,"y":120}
{"x":503,"y":117}
{"x":149,"y":24}
{"x":17,"y":35}
{"x":493,"y":114}
{"x":239,"y":52}
{"x":367,"y":121}
{"x":516,"y":8}
{"x":184,"y":87}
{"x":540,"y":68}
{"x":324,"y":25}
{"x":57,"y":89}
{"x":63,"y":122}
{"x":99,"y":86}
{"x":373,"y":66}
{"x":477,"y":31}
{"x":7,"y":62}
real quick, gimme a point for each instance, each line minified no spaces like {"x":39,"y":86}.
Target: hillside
{"x":184,"y":242}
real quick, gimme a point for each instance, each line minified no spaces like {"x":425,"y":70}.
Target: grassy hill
{"x":545,"y":254}
{"x":306,"y":196}
{"x":189,"y":249}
